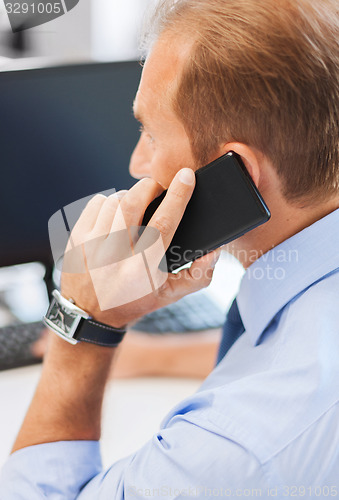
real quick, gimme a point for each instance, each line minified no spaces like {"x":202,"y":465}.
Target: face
{"x":163,"y":147}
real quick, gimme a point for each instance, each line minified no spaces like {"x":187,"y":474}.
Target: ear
{"x":251,"y":157}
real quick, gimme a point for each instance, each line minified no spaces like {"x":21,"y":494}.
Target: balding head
{"x":264,"y":73}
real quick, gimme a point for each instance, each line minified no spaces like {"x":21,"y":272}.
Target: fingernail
{"x":215,"y":260}
{"x":186,"y":176}
{"x":120,"y":194}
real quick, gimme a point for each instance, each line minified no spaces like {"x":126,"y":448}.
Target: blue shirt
{"x":265,"y":423}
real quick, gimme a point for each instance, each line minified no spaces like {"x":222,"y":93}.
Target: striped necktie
{"x":233,"y":328}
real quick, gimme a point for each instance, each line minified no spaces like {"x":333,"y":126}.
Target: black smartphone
{"x":225,"y":204}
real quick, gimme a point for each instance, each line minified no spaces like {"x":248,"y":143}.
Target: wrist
{"x":74,"y":324}
{"x":85,"y":302}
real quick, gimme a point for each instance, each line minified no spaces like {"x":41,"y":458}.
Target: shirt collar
{"x":285,"y":271}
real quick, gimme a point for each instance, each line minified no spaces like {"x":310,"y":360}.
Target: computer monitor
{"x":66,"y":132}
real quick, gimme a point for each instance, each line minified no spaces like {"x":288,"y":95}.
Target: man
{"x":259,"y":78}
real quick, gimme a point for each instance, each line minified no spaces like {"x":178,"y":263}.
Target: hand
{"x":120,"y":279}
{"x":103,"y":268}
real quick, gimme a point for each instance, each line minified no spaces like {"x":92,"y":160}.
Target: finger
{"x":106,"y":215}
{"x":134,"y":203}
{"x":87,"y":218}
{"x":169,"y":213}
{"x":198,"y":276}
{"x":136,"y":200}
{"x":120,"y":194}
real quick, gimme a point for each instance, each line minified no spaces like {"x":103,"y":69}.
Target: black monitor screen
{"x":65,"y":133}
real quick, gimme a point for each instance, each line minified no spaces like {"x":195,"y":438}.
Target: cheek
{"x":165,"y":164}
{"x":163,"y":171}
{"x":163,"y":160}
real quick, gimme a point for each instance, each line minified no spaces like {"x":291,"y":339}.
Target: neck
{"x":286,"y":220}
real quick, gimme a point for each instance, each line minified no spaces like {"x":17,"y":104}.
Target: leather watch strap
{"x":99,"y":333}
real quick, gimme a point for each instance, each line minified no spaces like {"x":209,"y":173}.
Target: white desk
{"x":133,"y":409}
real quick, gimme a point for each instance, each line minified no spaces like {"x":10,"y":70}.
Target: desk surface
{"x":133,"y":409}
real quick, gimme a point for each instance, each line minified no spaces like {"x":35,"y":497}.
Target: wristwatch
{"x":74,"y":324}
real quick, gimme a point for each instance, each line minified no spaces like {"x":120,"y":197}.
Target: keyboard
{"x":192,"y":313}
{"x":15,"y":344}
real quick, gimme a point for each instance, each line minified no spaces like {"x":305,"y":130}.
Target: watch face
{"x":62,"y":318}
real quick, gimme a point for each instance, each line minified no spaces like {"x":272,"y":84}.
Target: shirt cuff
{"x":59,"y":470}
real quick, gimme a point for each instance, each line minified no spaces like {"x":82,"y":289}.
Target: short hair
{"x":264,"y":73}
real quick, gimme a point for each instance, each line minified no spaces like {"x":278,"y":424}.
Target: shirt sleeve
{"x":181,"y":460}
{"x":52,"y":470}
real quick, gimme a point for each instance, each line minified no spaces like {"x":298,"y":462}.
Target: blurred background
{"x":105,"y":30}
{"x":66,"y":132}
